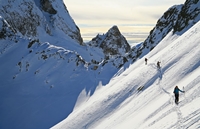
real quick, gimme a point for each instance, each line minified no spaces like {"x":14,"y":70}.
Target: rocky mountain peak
{"x":112,"y":43}
{"x":188,"y":16}
{"x":178,"y":18}
{"x":33,"y":18}
{"x":164,"y":25}
{"x":114,"y":31}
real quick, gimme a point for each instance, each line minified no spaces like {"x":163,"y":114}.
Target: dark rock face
{"x":164,"y":25}
{"x":32,"y":18}
{"x":115,"y":43}
{"x":112,"y":43}
{"x":47,"y":7}
{"x":188,"y":16}
{"x":114,"y":47}
{"x":25,"y":24}
{"x":5,"y":30}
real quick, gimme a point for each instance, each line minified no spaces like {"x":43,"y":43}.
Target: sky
{"x":134,"y":18}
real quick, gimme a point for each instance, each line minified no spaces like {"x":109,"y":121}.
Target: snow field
{"x":120,"y":105}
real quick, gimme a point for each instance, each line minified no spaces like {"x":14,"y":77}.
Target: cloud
{"x":94,"y":16}
{"x":115,"y":12}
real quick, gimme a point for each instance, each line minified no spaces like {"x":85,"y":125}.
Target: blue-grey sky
{"x":131,"y":16}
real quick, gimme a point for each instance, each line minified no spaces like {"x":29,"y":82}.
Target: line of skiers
{"x":158,"y":63}
{"x":176,"y":89}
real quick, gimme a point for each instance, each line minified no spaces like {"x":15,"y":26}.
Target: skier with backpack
{"x":176,"y":93}
{"x":158,"y":64}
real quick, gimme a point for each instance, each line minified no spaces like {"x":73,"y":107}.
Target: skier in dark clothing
{"x":146,"y":61}
{"x":158,"y":64}
{"x":176,"y":93}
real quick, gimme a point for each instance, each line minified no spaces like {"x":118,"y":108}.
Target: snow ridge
{"x":178,"y":18}
{"x":153,"y":106}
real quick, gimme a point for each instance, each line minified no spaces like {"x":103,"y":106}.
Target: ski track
{"x":175,"y":107}
{"x":182,"y":122}
{"x":186,"y":122}
{"x":185,"y":115}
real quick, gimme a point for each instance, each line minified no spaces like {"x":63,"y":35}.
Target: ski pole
{"x":184,"y":91}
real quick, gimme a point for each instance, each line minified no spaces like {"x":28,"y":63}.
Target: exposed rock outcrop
{"x":188,"y":16}
{"x":34,"y":18}
{"x":178,"y":19}
{"x":112,"y":43}
{"x":114,"y":46}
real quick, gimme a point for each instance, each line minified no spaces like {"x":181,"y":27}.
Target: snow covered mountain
{"x":114,"y":47}
{"x":112,"y":43}
{"x":45,"y":63}
{"x":142,"y":96}
{"x":35,"y":18}
{"x":178,"y":18}
{"x":188,"y":16}
{"x":47,"y":72}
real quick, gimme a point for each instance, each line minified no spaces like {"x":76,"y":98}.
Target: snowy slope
{"x":41,"y":82}
{"x":44,"y":65}
{"x":121,"y":105}
{"x":40,"y":85}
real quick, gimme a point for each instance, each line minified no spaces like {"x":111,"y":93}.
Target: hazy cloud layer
{"x":118,"y":11}
{"x":94,"y":16}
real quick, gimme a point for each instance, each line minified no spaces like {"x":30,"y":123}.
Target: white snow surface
{"x":120,"y":105}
